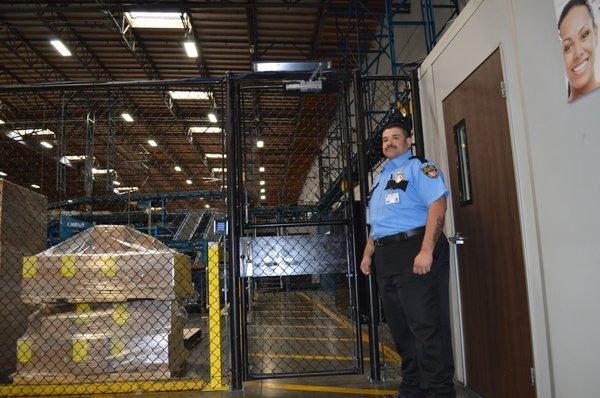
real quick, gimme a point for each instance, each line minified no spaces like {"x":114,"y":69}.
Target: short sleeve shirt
{"x":402,"y":193}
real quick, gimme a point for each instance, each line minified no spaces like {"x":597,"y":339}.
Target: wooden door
{"x":491,"y":268}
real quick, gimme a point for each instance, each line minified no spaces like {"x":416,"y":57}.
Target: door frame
{"x":526,"y":207}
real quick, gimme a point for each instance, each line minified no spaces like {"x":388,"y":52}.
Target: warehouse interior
{"x":183,"y":184}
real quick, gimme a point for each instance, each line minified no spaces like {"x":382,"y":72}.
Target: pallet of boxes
{"x":22,"y":233}
{"x":107,"y":309}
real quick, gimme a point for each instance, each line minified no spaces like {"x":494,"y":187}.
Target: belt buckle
{"x":378,"y":242}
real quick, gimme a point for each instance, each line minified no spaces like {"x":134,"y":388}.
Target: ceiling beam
{"x":318,"y":31}
{"x":17,"y":44}
{"x":200,"y":61}
{"x":252,"y":33}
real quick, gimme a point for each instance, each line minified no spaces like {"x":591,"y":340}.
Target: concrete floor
{"x":356,"y":386}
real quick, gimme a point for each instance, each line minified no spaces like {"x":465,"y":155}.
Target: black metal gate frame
{"x":239,"y":226}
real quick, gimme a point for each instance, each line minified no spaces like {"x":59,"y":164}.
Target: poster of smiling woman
{"x":578,"y":31}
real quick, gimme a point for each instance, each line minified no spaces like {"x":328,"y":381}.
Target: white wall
{"x":565,"y":141}
{"x":554,"y":144}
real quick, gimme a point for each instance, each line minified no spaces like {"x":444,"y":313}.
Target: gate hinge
{"x":533,"y":377}
{"x":503,"y":89}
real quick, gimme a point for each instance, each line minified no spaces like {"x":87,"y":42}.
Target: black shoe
{"x":6,"y":379}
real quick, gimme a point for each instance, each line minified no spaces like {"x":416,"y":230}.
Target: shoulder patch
{"x":430,"y":171}
{"x":422,"y":160}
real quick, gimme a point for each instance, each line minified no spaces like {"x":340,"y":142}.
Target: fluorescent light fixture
{"x":18,"y":135}
{"x":35,"y":186}
{"x":156,"y":20}
{"x":127,"y":117}
{"x":102,"y":171}
{"x":262,"y":190}
{"x":188,"y":181}
{"x":207,"y":206}
{"x":263,"y":197}
{"x":260,"y":143}
{"x":61,"y":48}
{"x":291,"y":66}
{"x":190,"y":49}
{"x":3,"y":174}
{"x":152,"y":143}
{"x":261,"y":169}
{"x":177,"y":168}
{"x":71,"y":158}
{"x":46,"y":144}
{"x":70,"y":201}
{"x":189,"y":95}
{"x":204,"y":129}
{"x":219,"y":170}
{"x":116,"y":182}
{"x":2,"y":121}
{"x":215,"y":156}
{"x":262,"y":182}
{"x":75,"y":158}
{"x":212,"y":117}
{"x":122,"y":190}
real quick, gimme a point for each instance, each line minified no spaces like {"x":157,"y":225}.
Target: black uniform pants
{"x":417,"y":312}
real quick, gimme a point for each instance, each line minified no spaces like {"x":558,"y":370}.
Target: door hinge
{"x":503,"y":89}
{"x":533,"y":377}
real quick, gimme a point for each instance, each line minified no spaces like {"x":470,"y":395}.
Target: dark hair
{"x":399,"y":124}
{"x":572,"y":4}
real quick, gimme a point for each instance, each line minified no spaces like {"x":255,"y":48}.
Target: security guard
{"x":406,"y":209}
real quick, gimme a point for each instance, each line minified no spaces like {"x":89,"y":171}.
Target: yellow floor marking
{"x":329,"y":389}
{"x":303,"y":356}
{"x":270,"y":317}
{"x":106,"y":387}
{"x":284,"y":311}
{"x":299,"y":338}
{"x":393,"y":355}
{"x":295,"y":326}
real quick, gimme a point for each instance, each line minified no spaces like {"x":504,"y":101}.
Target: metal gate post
{"x":234,"y":258}
{"x":415,"y":100}
{"x":352,"y":266}
{"x":363,"y":179}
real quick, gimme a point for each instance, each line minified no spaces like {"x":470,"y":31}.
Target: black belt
{"x":399,"y":237}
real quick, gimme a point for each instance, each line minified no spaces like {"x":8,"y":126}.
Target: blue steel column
{"x":363,"y":179}
{"x":389,"y":14}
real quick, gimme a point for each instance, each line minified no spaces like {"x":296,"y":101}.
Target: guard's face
{"x":579,"y":39}
{"x":394,"y":142}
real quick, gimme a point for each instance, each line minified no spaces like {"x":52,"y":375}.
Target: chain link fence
{"x":113,"y":279}
{"x":111,"y":276}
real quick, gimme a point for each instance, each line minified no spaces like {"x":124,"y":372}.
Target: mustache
{"x":390,"y":146}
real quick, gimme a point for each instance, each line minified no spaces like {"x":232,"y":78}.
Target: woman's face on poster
{"x":579,"y":39}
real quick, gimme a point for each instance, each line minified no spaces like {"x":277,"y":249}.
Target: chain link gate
{"x":111,"y":278}
{"x":296,"y":247}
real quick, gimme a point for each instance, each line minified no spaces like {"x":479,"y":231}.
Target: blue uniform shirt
{"x":402,"y":193}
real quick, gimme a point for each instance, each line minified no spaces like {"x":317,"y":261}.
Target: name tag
{"x":392,"y":198}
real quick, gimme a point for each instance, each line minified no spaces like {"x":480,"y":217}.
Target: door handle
{"x":457,"y":239}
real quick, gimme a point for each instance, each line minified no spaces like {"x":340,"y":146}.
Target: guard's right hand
{"x":365,"y":265}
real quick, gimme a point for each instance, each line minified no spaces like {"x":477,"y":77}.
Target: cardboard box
{"x":106,"y":264}
{"x":23,"y":215}
{"x":133,"y":318}
{"x":88,"y":356}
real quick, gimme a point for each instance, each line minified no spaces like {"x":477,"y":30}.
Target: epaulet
{"x":422,"y":160}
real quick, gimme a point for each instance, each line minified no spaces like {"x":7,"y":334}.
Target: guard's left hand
{"x":422,"y":264}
